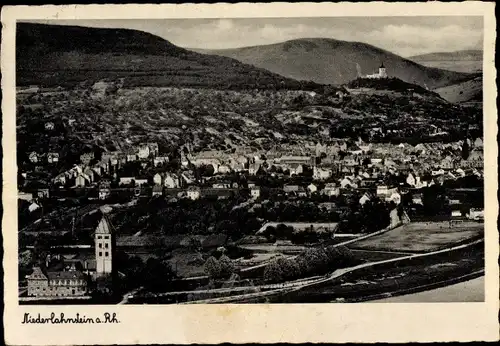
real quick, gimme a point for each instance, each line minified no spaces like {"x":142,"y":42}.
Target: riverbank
{"x":467,"y":291}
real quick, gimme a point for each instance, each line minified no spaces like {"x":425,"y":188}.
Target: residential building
{"x":49,"y":125}
{"x":157,"y":179}
{"x":410,"y":180}
{"x":104,"y":192}
{"x":460,"y":172}
{"x":157,"y":191}
{"x":104,"y":189}
{"x":417,"y":199}
{"x":126,"y":180}
{"x":348,"y":183}
{"x":312,"y":188}
{"x":296,"y":169}
{"x":476,"y":214}
{"x":33,"y":157}
{"x":154,"y":149}
{"x":97,"y":171}
{"x":193,"y":192}
{"x":365,"y":198}
{"x":394,"y":197}
{"x":255,"y":192}
{"x":331,"y":189}
{"x":301,"y":192}
{"x":86,"y":158}
{"x":437,"y":172}
{"x":171,"y":181}
{"x":70,"y":283}
{"x":289,"y":189}
{"x":478,"y":143}
{"x":321,"y":174}
{"x":52,"y":157}
{"x":33,"y":206}
{"x":25,"y":196}
{"x":60,"y":179}
{"x":385,"y":191}
{"x":368,"y":182}
{"x":222,"y":185}
{"x":131,"y":156}
{"x":160,"y":160}
{"x":143,"y":152}
{"x":141,"y":181}
{"x":82,"y":180}
{"x":42,"y":193}
{"x":253,"y":168}
{"x":89,"y":173}
{"x":394,"y":217}
{"x":223,"y":169}
{"x":302,"y":160}
{"x":456,"y":213}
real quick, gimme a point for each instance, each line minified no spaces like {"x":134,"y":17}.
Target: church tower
{"x":104,"y":248}
{"x":382,"y":71}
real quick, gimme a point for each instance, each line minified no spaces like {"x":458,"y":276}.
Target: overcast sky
{"x":405,"y":36}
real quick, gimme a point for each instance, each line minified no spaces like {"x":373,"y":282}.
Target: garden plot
{"x":422,"y":237}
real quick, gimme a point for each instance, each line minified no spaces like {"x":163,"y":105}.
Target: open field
{"x":422,"y":237}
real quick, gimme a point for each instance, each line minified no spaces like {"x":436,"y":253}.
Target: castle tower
{"x":382,"y":71}
{"x":103,"y":248}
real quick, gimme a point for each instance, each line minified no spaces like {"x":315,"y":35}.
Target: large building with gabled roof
{"x":70,"y":277}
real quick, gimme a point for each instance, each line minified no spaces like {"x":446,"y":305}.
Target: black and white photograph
{"x":276,"y":160}
{"x":250,"y":160}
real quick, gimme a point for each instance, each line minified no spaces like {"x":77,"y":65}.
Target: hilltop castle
{"x":382,"y":73}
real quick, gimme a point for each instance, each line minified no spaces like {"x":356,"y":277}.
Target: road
{"x":467,"y":291}
{"x":128,"y":294}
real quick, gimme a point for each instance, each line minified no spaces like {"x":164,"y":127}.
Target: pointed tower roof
{"x":104,"y":226}
{"x":382,"y":65}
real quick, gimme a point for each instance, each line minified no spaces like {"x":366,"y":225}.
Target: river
{"x":467,"y":291}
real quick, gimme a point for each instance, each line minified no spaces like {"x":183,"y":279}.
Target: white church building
{"x":382,"y":73}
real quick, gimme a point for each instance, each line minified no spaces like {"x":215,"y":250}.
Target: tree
{"x":25,"y":258}
{"x":213,"y":268}
{"x":157,"y":274}
{"x":274,"y":271}
{"x":465,"y":149}
{"x":226,"y":266}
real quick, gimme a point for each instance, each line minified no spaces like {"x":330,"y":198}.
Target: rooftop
{"x":65,"y":275}
{"x":104,"y":226}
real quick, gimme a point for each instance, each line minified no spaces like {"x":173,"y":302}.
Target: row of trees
{"x":315,"y":261}
{"x":306,"y":236}
{"x":153,"y":274}
{"x":217,"y":269}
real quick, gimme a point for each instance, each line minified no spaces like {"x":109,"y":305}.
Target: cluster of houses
{"x":341,"y":165}
{"x":327,"y":160}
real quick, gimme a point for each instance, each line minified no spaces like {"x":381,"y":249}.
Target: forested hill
{"x":330,"y":61}
{"x":460,"y":55}
{"x":59,"y":55}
